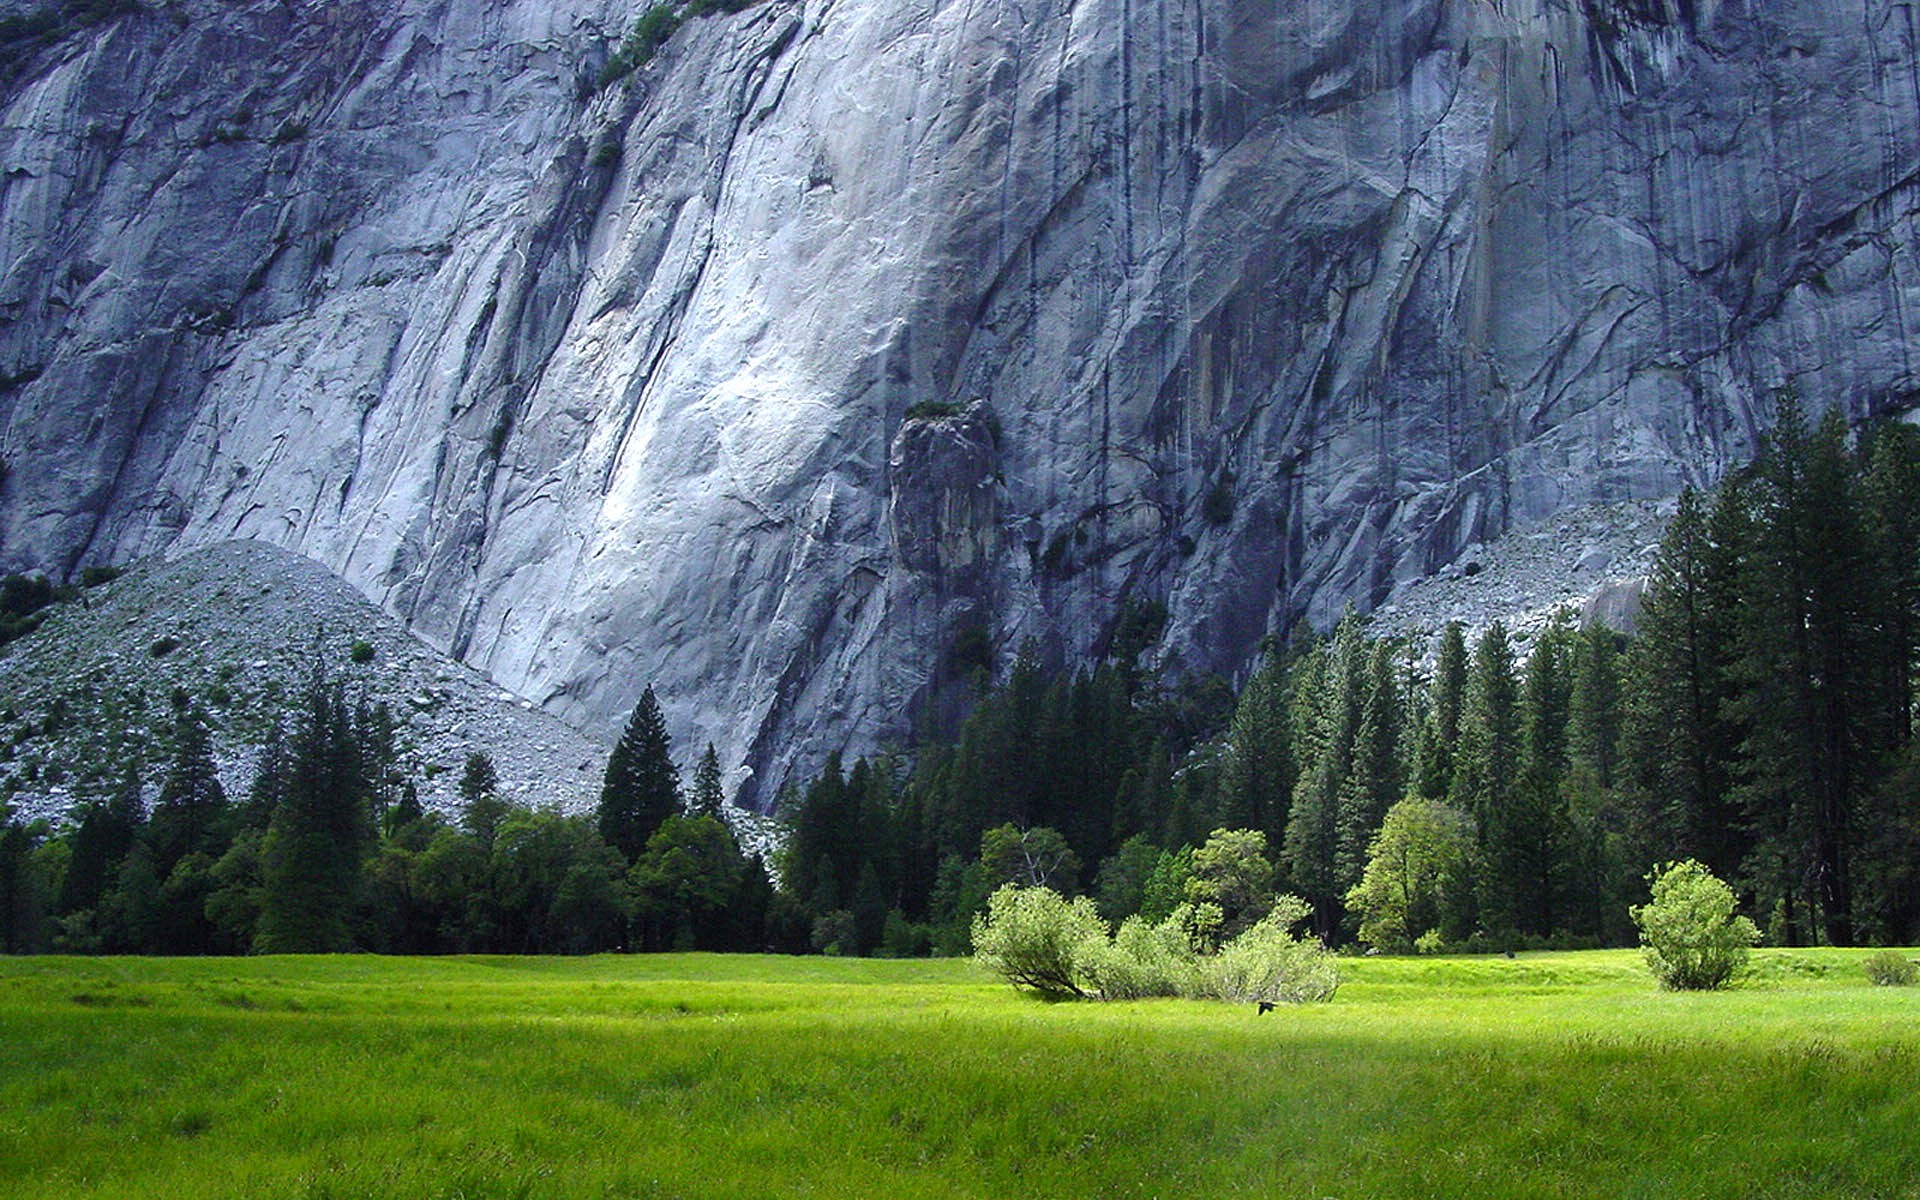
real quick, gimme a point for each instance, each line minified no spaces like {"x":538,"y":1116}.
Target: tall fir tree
{"x":709,"y":794}
{"x":1377,"y":780}
{"x":1440,"y":732}
{"x":190,"y":815}
{"x":1486,"y":774}
{"x":642,"y":786}
{"x":1257,"y":771}
{"x":320,"y":830}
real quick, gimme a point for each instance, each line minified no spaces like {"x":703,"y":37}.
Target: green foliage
{"x":1034,"y":938}
{"x":650,"y":32}
{"x":642,"y":787}
{"x":1890,"y":968}
{"x":684,"y":883}
{"x":1417,"y":873}
{"x":709,"y":793}
{"x":934,"y":410}
{"x":1038,"y":940}
{"x":1269,"y":963}
{"x":1692,"y":938}
{"x":360,"y":653}
{"x":1232,"y":873}
{"x":321,"y":823}
{"x":1031,"y":858}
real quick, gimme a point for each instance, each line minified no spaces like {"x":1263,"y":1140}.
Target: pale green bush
{"x":1144,"y":959}
{"x":1268,"y":962}
{"x":1035,"y":938}
{"x":1890,"y":968}
{"x":1691,"y":936}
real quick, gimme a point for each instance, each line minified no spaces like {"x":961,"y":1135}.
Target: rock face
{"x":845,"y":335}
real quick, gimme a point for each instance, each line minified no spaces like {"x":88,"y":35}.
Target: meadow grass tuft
{"x":712,"y":1076}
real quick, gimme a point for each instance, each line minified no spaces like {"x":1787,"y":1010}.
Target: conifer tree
{"x":1256,"y":776}
{"x":320,"y":829}
{"x":1679,"y":740}
{"x":107,"y":831}
{"x":1378,"y":779}
{"x":1486,"y":772}
{"x":190,"y":815}
{"x":709,"y":794}
{"x":1313,"y":823}
{"x":1440,"y":732}
{"x":642,"y":786}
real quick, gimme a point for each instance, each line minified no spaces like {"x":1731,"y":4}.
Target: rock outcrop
{"x":842,"y":336}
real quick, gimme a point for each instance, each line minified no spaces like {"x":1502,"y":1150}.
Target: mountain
{"x":838,"y":342}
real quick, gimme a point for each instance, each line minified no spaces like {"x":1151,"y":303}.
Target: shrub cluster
{"x":1037,"y":939}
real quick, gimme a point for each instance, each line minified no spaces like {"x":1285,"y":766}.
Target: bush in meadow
{"x":1690,"y":933}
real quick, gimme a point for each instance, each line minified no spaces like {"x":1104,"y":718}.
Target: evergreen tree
{"x":642,"y":786}
{"x":310,"y":859}
{"x":1440,"y":733}
{"x":481,"y":807}
{"x":107,"y":831}
{"x":1679,"y":743}
{"x":190,"y":815}
{"x":22,"y":896}
{"x":709,"y":794}
{"x":1378,"y":779}
{"x":1486,"y":774}
{"x":1256,"y":775}
{"x":1313,"y":827}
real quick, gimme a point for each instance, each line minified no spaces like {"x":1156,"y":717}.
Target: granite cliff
{"x":842,"y":334}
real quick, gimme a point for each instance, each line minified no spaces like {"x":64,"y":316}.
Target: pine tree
{"x":190,"y":815}
{"x":1440,"y":733}
{"x":1678,"y":739}
{"x":1486,"y":772}
{"x":709,"y":794}
{"x":1313,"y":823}
{"x":642,"y":786}
{"x":106,"y":833}
{"x":1378,"y":779}
{"x":1256,"y":775}
{"x":319,"y":832}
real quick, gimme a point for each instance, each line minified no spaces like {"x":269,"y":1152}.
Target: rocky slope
{"x":840,"y":329}
{"x":240,"y":630}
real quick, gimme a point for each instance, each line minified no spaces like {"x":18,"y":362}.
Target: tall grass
{"x":704,"y":1076}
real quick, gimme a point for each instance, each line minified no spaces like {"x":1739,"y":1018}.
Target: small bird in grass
{"x":1266,"y":1006}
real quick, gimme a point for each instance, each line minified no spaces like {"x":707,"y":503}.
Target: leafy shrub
{"x":92,"y":577}
{"x":934,"y":410}
{"x":643,"y":41}
{"x":1035,"y":938}
{"x":1270,"y":963}
{"x":1144,"y":959}
{"x":1890,"y":968}
{"x":1692,"y":938}
{"x":361,"y":652}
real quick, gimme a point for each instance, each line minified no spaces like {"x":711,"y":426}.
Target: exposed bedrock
{"x":1253,"y":309}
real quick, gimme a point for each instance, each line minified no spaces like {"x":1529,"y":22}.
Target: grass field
{"x":699,"y":1076}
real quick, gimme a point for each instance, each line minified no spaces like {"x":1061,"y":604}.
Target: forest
{"x":1508,"y":790}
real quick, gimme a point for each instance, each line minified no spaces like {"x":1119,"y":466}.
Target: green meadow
{"x":710,"y":1076}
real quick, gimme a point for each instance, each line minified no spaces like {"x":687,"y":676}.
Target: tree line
{"x":1513,"y":789}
